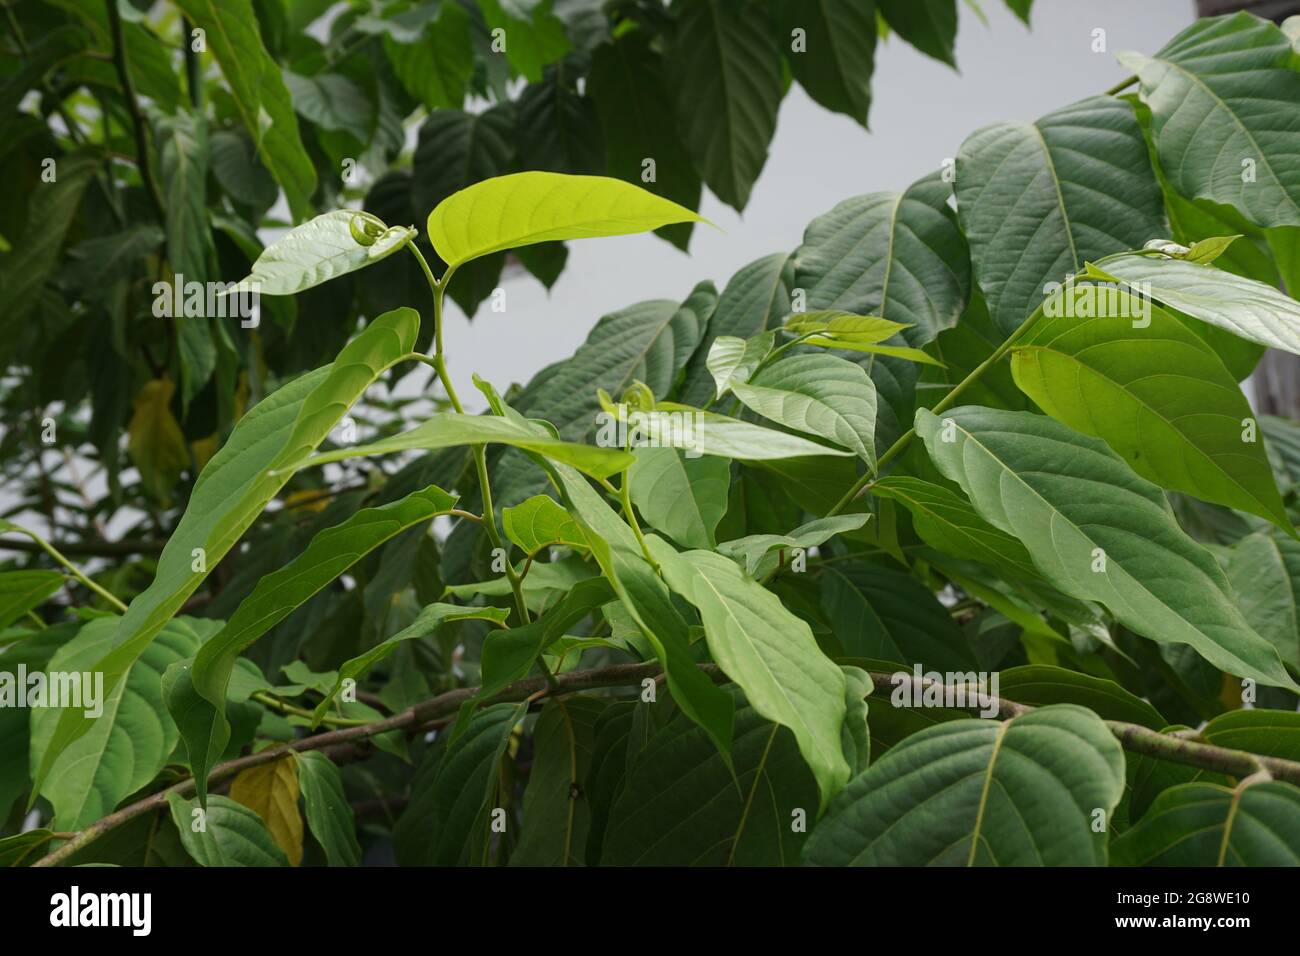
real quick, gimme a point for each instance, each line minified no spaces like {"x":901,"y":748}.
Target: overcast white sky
{"x":921,"y":111}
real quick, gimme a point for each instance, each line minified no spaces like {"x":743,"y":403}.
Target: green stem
{"x":1121,"y":86}
{"x":625,"y":498}
{"x":263,"y":697}
{"x":439,"y":363}
{"x":944,"y":404}
{"x":57,"y":555}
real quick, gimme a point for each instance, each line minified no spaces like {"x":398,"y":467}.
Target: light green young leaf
{"x":1018,"y":792}
{"x":449,"y":429}
{"x":844,"y":326}
{"x":1246,"y":308}
{"x":225,"y":834}
{"x":322,"y":249}
{"x":733,"y":359}
{"x":236,"y":485}
{"x":509,"y":655}
{"x":426,"y":622}
{"x":708,"y":433}
{"x":820,"y":394}
{"x":1215,"y":91}
{"x":754,"y":548}
{"x":683,"y":497}
{"x":329,"y":815}
{"x":769,"y":652}
{"x":646,"y":598}
{"x":1204,"y":824}
{"x":755,"y":299}
{"x":1131,"y":374}
{"x":197,"y":698}
{"x":539,"y":522}
{"x":506,"y":212}
{"x":1097,"y":531}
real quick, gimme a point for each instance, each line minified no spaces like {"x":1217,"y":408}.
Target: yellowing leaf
{"x":154,"y":440}
{"x":271,"y":791}
{"x":524,"y":208}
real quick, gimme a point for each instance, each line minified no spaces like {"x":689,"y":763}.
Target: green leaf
{"x":899,"y":256}
{"x":21,"y":847}
{"x":1273,"y":733}
{"x":539,"y":523}
{"x":1264,"y":571}
{"x":259,"y":93}
{"x":557,"y":814}
{"x":321,"y":249}
{"x":836,"y":61}
{"x":21,"y":591}
{"x":332,"y":102}
{"x":838,"y":328}
{"x":132,"y":738}
{"x":329,"y":554}
{"x":509,"y":655}
{"x":930,"y":26}
{"x":447,"y":820}
{"x":226,"y":834}
{"x":727,"y":87}
{"x":329,"y":815}
{"x":1181,"y":426}
{"x":754,"y":548}
{"x":681,"y":804}
{"x":35,"y":257}
{"x":1039,"y":199}
{"x":681,"y":496}
{"x":1065,"y":496}
{"x":1041,"y":684}
{"x":708,"y":433}
{"x":627,"y":70}
{"x":1246,"y":308}
{"x":450,"y":429}
{"x":1020,"y":792}
{"x":819,"y":394}
{"x":769,"y":652}
{"x":182,"y":141}
{"x":755,"y":299}
{"x":534,"y":37}
{"x":556,"y":125}
{"x":426,"y":622}
{"x":1203,"y":824}
{"x":886,"y":615}
{"x":648,"y":602}
{"x":731,"y":360}
{"x":1215,"y":93}
{"x":946,"y":521}
{"x":524,"y":208}
{"x":437,"y":66}
{"x":236,"y":485}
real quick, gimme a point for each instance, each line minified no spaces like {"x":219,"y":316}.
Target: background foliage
{"x":957,"y":539}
